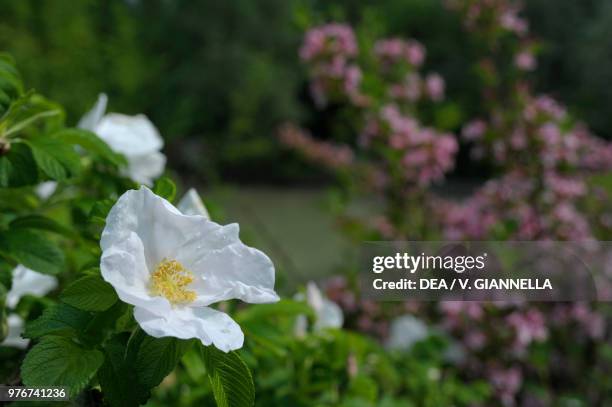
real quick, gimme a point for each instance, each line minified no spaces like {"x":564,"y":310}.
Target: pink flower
{"x":413,"y":87}
{"x":415,"y":52}
{"x":506,"y":382}
{"x":391,"y":49}
{"x":331,"y":39}
{"x":593,"y":323}
{"x":518,"y":139}
{"x":410,"y":89}
{"x":565,"y":187}
{"x":511,"y":22}
{"x":329,"y":50}
{"x":528,"y":326}
{"x":434,"y":86}
{"x":334,"y":156}
{"x":394,"y":50}
{"x":550,"y":134}
{"x":352,"y":80}
{"x":384,"y":227}
{"x":525,"y":61}
{"x":474,"y":130}
{"x":475,"y":340}
{"x":472,"y":310}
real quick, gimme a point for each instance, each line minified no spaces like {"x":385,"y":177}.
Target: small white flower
{"x":15,"y":328}
{"x":45,"y":189}
{"x":191,"y":204}
{"x":172,"y":267}
{"x":25,"y":281}
{"x":133,"y":136}
{"x":405,"y":332}
{"x":327,"y":313}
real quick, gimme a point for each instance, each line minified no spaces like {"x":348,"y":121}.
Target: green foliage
{"x":165,"y":188}
{"x":32,"y":250}
{"x":156,"y":357}
{"x":18,"y":167}
{"x":90,"y":293}
{"x":10,"y":83}
{"x":55,"y":158}
{"x":230,"y":378}
{"x":57,"y":361}
{"x":116,"y":376}
{"x":59,"y":319}
{"x":39,"y":222}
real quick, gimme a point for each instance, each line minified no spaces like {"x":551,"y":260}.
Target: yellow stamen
{"x":170,"y":279}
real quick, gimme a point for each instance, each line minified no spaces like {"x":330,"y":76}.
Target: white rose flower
{"x":44,"y":190}
{"x":15,"y":328}
{"x":327,"y":313}
{"x":172,"y":267}
{"x":133,"y":136}
{"x":25,"y":281}
{"x":405,"y":332}
{"x":191,"y":204}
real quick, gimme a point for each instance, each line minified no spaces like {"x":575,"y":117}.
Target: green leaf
{"x":5,"y":171}
{"x":105,"y":323}
{"x":448,"y":116}
{"x":3,"y":322}
{"x":6,"y":274}
{"x":58,"y":361}
{"x":165,"y":188}
{"x":41,"y":223}
{"x":32,"y":250}
{"x":28,"y":109}
{"x":194,"y":365}
{"x":57,"y":159}
{"x":157,"y":357}
{"x":230,"y":378}
{"x":18,"y":167}
{"x":100,"y":210}
{"x":10,"y":83}
{"x":59,"y":319}
{"x":116,"y":376}
{"x":283,"y":308}
{"x":90,"y":293}
{"x":92,"y":143}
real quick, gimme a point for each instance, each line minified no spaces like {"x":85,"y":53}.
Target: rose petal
{"x":206,"y":324}
{"x":90,"y":120}
{"x":329,"y":316}
{"x":123,"y":265}
{"x":144,"y":169}
{"x":15,"y":329}
{"x":129,"y":135}
{"x":191,"y":204}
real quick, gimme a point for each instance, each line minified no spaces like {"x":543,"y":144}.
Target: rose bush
{"x":130,"y":276}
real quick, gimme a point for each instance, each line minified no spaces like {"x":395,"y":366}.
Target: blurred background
{"x":217,"y":78}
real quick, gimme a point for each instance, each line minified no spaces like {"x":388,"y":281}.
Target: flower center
{"x":170,"y":280}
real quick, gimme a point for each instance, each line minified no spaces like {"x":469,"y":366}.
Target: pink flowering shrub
{"x":544,"y":192}
{"x":545,"y":187}
{"x":396,"y":155}
{"x":330,"y":50}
